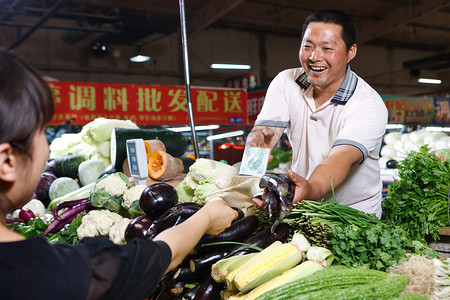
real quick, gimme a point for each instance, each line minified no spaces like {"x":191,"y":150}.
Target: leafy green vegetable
{"x":356,"y":238}
{"x":68,"y":235}
{"x":35,"y":227}
{"x":199,"y":181}
{"x":376,"y":247}
{"x":417,"y":201}
{"x":279,"y":156}
{"x":108,"y":192}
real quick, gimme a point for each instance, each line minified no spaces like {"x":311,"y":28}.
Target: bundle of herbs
{"x":418,"y":200}
{"x":356,"y":238}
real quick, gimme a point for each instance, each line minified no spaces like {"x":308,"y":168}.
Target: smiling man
{"x":335,"y":121}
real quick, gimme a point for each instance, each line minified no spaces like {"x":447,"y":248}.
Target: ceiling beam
{"x":209,"y":13}
{"x":399,"y":17}
{"x":38,"y":24}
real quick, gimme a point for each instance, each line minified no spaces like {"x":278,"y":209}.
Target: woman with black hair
{"x":96,"y":268}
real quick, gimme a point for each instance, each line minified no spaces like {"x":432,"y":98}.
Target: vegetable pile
{"x":398,"y":145}
{"x":355,"y":238}
{"x":418,"y":200}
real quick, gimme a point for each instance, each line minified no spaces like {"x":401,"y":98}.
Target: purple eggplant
{"x":201,"y":263}
{"x":67,"y":204}
{"x":237,"y":232}
{"x":172,"y":217}
{"x":157,"y":198}
{"x":176,"y":288}
{"x":209,"y":290}
{"x":185,"y":274}
{"x":262,"y":239}
{"x":271,"y":202}
{"x":67,"y":217}
{"x":279,"y":195}
{"x":138,"y":228}
{"x":240,"y":213}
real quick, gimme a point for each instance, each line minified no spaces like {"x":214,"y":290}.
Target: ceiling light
{"x":429,"y":80}
{"x":225,"y":135}
{"x":230,"y":66}
{"x":197,"y":128}
{"x":139,"y":56}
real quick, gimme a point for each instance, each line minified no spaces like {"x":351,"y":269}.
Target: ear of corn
{"x":231,"y":295}
{"x":304,"y":269}
{"x":267,"y":266}
{"x":230,"y":276}
{"x":220,"y":269}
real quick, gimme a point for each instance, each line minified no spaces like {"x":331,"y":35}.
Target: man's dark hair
{"x":338,"y":17}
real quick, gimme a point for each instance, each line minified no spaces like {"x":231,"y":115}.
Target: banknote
{"x":254,"y":161}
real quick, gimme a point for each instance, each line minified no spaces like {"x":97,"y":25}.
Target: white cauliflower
{"x":132,"y":194}
{"x":113,"y":184}
{"x":117,"y":231}
{"x":97,"y":222}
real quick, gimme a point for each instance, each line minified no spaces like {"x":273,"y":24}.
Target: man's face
{"x":323,"y":55}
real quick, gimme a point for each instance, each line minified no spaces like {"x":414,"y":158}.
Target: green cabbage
{"x":200,"y":180}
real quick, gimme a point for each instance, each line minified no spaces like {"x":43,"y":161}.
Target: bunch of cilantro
{"x":376,"y":246}
{"x":418,"y":200}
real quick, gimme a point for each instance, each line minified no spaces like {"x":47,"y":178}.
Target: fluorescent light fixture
{"x":429,"y":80}
{"x":230,"y":66}
{"x":225,"y":135}
{"x":197,"y":128}
{"x":140,"y":58}
{"x":394,"y":126}
{"x":438,"y":129}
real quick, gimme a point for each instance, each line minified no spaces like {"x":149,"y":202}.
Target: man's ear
{"x":8,"y":163}
{"x":352,"y":52}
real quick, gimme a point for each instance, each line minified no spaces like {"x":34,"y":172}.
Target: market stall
{"x":311,"y":248}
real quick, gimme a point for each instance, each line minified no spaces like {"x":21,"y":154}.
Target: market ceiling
{"x":413,"y":24}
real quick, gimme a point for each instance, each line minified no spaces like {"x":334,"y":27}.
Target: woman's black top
{"x":96,"y":268}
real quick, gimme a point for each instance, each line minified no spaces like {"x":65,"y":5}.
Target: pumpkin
{"x":162,"y":165}
{"x":152,"y":146}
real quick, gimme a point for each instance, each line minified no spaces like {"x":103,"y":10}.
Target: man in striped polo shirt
{"x":335,"y":121}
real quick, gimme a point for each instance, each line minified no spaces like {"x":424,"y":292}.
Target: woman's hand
{"x":220,"y":216}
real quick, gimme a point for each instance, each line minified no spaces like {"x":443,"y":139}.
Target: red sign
{"x":147,"y":104}
{"x":254,"y":103}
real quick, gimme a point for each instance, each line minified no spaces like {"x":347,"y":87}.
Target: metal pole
{"x":186,"y":77}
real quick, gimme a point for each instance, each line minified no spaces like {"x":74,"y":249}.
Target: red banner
{"x":255,"y":102}
{"x":147,"y":104}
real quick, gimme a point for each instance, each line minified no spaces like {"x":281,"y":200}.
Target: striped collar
{"x":344,"y":92}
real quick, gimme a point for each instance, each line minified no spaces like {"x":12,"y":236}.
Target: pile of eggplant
{"x":192,"y":279}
